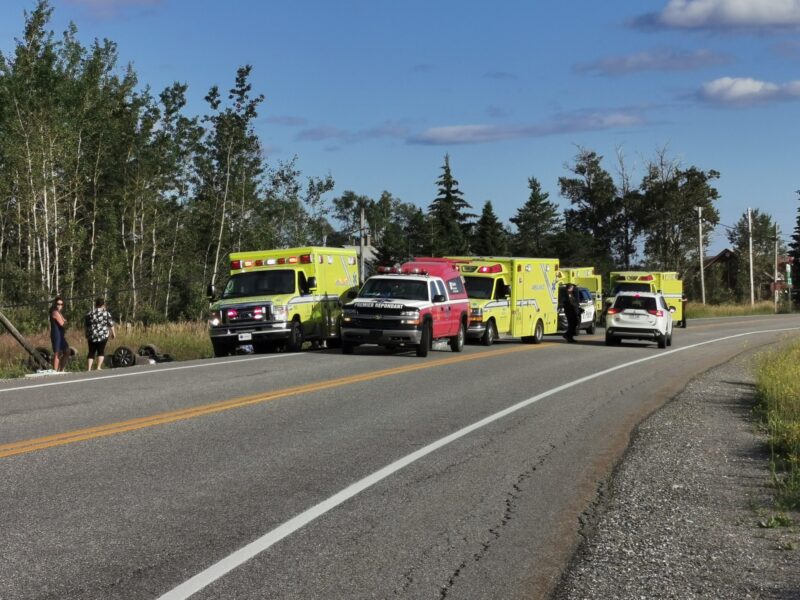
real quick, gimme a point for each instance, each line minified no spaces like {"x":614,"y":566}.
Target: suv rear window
{"x":635,"y":303}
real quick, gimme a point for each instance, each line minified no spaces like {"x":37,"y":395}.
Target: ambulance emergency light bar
{"x":287,"y":260}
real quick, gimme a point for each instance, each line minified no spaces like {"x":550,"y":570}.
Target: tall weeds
{"x":778,"y":385}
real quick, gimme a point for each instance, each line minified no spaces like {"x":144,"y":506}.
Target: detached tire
{"x":123,"y":357}
{"x":457,"y":341}
{"x":425,"y":340}
{"x":295,"y":341}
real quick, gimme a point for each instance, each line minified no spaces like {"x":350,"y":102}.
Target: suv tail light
{"x":614,"y":311}
{"x":656,"y":313}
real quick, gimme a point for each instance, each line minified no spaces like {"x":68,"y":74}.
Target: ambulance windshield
{"x":479,"y":288}
{"x":260,"y":283}
{"x":407,"y":289}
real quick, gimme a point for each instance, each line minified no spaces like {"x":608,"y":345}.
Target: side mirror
{"x":351,"y":295}
{"x":439,"y":298}
{"x":211,"y":293}
{"x":312,"y":283}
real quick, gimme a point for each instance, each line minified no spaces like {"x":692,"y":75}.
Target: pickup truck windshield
{"x":406,"y":289}
{"x":479,"y":287}
{"x":260,"y":283}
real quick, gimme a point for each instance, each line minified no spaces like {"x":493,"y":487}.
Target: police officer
{"x":572,"y":311}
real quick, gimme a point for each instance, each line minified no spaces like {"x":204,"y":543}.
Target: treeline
{"x":110,"y":188}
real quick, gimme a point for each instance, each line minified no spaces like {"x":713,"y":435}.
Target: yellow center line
{"x":79,"y":435}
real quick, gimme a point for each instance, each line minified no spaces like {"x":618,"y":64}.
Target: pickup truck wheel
{"x":221,"y":348}
{"x":347,"y":347}
{"x":425,"y":340}
{"x":295,"y":341}
{"x":489,"y":334}
{"x":457,"y":341}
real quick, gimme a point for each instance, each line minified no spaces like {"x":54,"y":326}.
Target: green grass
{"x":183,"y":341}
{"x":778,"y":385}
{"x":698,"y":310}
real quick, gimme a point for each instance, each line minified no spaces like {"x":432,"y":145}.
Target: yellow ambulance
{"x":281,"y":298}
{"x":510,"y":297}
{"x":585,"y":277}
{"x":668,"y":284}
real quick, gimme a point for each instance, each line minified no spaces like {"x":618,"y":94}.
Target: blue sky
{"x":376,"y":92}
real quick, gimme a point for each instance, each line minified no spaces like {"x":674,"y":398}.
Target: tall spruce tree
{"x":450,"y":223}
{"x":537,"y":222}
{"x":592,"y":195}
{"x":794,"y":248}
{"x":490,"y":237}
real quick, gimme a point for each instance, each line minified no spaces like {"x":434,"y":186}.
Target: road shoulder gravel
{"x":680,"y":516}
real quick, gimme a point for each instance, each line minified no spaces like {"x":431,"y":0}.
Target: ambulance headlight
{"x":214,"y":318}
{"x":280,"y":313}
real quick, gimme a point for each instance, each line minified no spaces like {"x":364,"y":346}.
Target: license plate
{"x":245,"y":337}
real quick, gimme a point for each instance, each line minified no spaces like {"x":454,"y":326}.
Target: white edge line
{"x":232,"y":561}
{"x":145,"y":372}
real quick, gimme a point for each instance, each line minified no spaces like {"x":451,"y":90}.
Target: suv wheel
{"x":591,"y":328}
{"x":457,"y":341}
{"x":662,"y":340}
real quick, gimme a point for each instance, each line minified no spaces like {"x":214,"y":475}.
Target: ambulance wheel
{"x":457,"y":341}
{"x":538,"y":333}
{"x":347,"y":347}
{"x":221,"y":348}
{"x":295,"y":341}
{"x":489,"y":334}
{"x":425,"y":340}
{"x":591,"y":329}
{"x":662,"y":341}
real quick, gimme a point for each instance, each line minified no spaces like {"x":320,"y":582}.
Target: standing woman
{"x":57,"y":337}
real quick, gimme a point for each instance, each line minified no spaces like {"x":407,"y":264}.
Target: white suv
{"x":639,"y":316}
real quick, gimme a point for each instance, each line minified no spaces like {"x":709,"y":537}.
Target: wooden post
{"x":40,"y":360}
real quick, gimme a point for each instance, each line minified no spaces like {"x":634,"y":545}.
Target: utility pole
{"x":361,"y":248}
{"x":775,"y":278}
{"x":700,"y":246}
{"x":750,"y":234}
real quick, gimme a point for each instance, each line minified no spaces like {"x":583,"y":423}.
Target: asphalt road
{"x":318,"y":475}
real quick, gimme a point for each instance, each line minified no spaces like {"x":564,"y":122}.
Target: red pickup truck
{"x":411,"y":306}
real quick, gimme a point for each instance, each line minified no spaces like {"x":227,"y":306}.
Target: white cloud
{"x":569,"y":123}
{"x":745,"y":91}
{"x":727,"y":14}
{"x":661,"y":59}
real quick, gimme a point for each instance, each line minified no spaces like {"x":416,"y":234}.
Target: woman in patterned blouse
{"x":99,"y":325}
